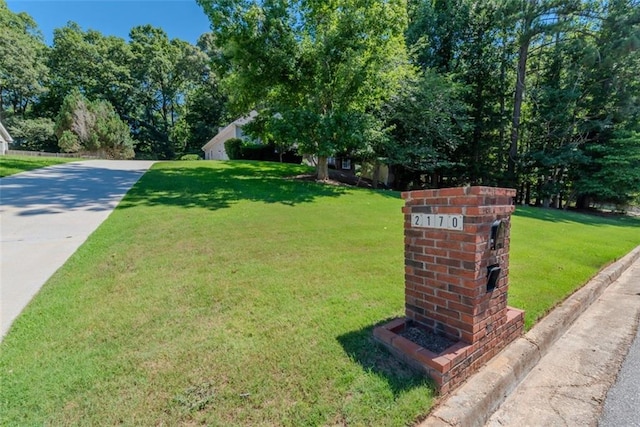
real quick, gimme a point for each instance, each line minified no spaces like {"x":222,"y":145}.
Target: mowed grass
{"x":224,"y":294}
{"x":554,"y":252}
{"x":10,"y":165}
{"x":221,"y":294}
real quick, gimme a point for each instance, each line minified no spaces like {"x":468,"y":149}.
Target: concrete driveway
{"x":46,"y":214}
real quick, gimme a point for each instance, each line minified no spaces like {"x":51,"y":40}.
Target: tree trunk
{"x":538,"y":192}
{"x":376,"y":175}
{"x":322,"y":169}
{"x":517,"y":107}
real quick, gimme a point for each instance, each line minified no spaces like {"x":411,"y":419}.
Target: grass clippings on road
{"x":222,"y":293}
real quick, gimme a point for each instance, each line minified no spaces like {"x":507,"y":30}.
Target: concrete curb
{"x":476,"y":400}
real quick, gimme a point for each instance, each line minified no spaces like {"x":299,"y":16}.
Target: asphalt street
{"x":46,"y":214}
{"x":622,"y":406}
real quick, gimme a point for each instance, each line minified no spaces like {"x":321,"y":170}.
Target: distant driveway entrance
{"x":46,"y":214}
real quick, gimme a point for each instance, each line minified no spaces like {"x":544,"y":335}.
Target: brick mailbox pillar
{"x":456,"y":281}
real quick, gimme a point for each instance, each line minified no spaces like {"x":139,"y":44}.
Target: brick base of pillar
{"x":458,"y":362}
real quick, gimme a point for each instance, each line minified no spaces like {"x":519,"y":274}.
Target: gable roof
{"x":236,"y":123}
{"x":4,"y":135}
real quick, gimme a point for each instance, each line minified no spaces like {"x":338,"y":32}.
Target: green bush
{"x":190,"y":157}
{"x":253,"y":151}
{"x":233,"y":147}
{"x":238,"y":149}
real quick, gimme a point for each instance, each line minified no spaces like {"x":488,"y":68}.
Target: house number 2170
{"x":445,"y":221}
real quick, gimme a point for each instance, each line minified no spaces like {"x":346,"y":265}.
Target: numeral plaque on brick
{"x":446,"y":221}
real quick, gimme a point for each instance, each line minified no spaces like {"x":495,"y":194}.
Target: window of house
{"x":346,"y":163}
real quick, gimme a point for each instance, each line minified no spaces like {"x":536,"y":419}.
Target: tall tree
{"x":97,"y":65}
{"x":469,"y":43}
{"x":165,"y":71}
{"x":534,"y":18}
{"x":86,"y":126}
{"x":611,"y":108}
{"x":23,"y":73}
{"x":320,"y":66}
{"x":426,"y":121}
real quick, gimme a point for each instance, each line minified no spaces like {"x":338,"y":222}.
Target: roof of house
{"x":4,"y":134}
{"x":238,"y":122}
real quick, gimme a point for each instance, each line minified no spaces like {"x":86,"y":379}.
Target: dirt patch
{"x":426,"y":339}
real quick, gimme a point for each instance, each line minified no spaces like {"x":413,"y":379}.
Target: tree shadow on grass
{"x":223,"y":185}
{"x":364,"y":349}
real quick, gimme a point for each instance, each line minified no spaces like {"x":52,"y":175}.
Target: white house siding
{"x":214,"y":149}
{"x":5,"y":139}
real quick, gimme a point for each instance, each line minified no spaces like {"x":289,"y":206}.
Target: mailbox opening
{"x":493,"y":274}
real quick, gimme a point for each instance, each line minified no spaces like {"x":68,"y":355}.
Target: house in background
{"x":5,"y":140}
{"x":214,"y":149}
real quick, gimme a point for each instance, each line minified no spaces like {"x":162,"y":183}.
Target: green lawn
{"x":222,"y":294}
{"x":554,"y":252}
{"x":10,"y":165}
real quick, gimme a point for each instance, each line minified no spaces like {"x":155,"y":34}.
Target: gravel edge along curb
{"x":476,"y":400}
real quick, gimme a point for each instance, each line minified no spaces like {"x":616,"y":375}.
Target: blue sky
{"x":182,"y":19}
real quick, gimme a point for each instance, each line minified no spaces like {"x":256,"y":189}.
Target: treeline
{"x":78,"y":93}
{"x":539,"y":95}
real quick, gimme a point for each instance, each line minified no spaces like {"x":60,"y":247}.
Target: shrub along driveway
{"x":46,"y":215}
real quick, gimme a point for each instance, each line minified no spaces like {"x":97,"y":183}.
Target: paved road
{"x":46,"y":214}
{"x":622,"y":407}
{"x":569,"y":385}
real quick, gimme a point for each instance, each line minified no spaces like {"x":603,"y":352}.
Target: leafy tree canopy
{"x":321,"y":66}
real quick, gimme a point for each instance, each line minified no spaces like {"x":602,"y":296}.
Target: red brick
{"x":466,"y":318}
{"x":449,"y":192}
{"x":413,"y":279}
{"x":404,"y":345}
{"x":439,"y":268}
{"x":450,"y":210}
{"x":466,"y":201}
{"x":424,"y":355}
{"x":449,"y":296}
{"x":448,"y":261}
{"x":446,"y":312}
{"x":448,"y":244}
{"x":463,"y":291}
{"x":467,"y":337}
{"x":455,"y":305}
{"x":429,"y":259}
{"x":411,"y":299}
{"x":412,"y":249}
{"x":424,"y":321}
{"x":425,"y":290}
{"x":384,"y":334}
{"x":427,"y":243}
{"x":475,"y":247}
{"x":436,"y":301}
{"x":463,"y":273}
{"x":396,"y":325}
